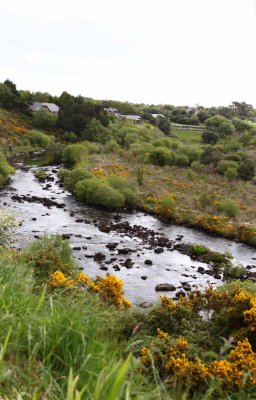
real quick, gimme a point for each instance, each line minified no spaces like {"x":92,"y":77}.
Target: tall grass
{"x":61,"y":346}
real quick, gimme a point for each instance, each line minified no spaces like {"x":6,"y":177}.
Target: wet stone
{"x":165,"y":287}
{"x":158,"y":250}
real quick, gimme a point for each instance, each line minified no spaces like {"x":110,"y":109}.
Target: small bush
{"x":229,"y":208}
{"x":196,"y":166}
{"x":161,"y":156}
{"x":224,"y":165}
{"x":47,"y":255}
{"x":40,"y":175}
{"x":111,"y":147}
{"x":231,"y":174}
{"x":182,"y":160}
{"x":63,"y":173}
{"x":70,"y":137}
{"x":198,"y":250}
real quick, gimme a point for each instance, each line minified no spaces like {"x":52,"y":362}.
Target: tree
{"x":44,"y":119}
{"x":163,"y":124}
{"x":10,"y":98}
{"x":96,"y":132}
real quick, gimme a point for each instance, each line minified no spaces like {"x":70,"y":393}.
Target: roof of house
{"x":51,"y":106}
{"x":134,"y":117}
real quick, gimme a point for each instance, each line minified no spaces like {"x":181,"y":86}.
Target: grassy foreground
{"x":65,"y":336}
{"x":61,"y":346}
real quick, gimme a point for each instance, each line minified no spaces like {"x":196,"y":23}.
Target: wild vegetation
{"x":192,"y":166}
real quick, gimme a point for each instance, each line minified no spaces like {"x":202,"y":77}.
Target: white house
{"x":135,"y":118}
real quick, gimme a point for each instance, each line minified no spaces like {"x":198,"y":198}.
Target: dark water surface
{"x":168,"y":267}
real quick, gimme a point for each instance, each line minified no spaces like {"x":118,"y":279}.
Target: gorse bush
{"x":47,"y":255}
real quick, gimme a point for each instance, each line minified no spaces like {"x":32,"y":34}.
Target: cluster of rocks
{"x":45,"y":201}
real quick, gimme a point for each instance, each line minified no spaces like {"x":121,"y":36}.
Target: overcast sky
{"x":181,"y":52}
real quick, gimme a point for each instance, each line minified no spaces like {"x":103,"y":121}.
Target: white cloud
{"x":170,"y":51}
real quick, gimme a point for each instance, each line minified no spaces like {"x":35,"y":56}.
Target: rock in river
{"x":165,"y":287}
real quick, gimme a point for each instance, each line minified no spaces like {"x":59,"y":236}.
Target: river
{"x":79,"y":222}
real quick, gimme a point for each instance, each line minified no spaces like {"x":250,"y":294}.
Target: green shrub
{"x":130,"y":197}
{"x":94,"y":191}
{"x":37,"y":138}
{"x":223,"y":165}
{"x":161,"y":156}
{"x":63,"y":173}
{"x":40,"y":175}
{"x":196,"y":166}
{"x":192,"y":152}
{"x":50,"y":254}
{"x":198,"y":250}
{"x":70,"y":137}
{"x":74,"y":153}
{"x":229,"y":207}
{"x":182,"y":160}
{"x":231,"y":145}
{"x":233,"y":271}
{"x":231,"y":174}
{"x":164,"y":142}
{"x":111,"y":147}
{"x":246,"y":169}
{"x":74,"y":176}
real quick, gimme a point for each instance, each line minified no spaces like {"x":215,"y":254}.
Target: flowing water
{"x":140,"y":280}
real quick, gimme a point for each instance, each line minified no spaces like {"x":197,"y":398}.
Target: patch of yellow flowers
{"x":109,"y":287}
